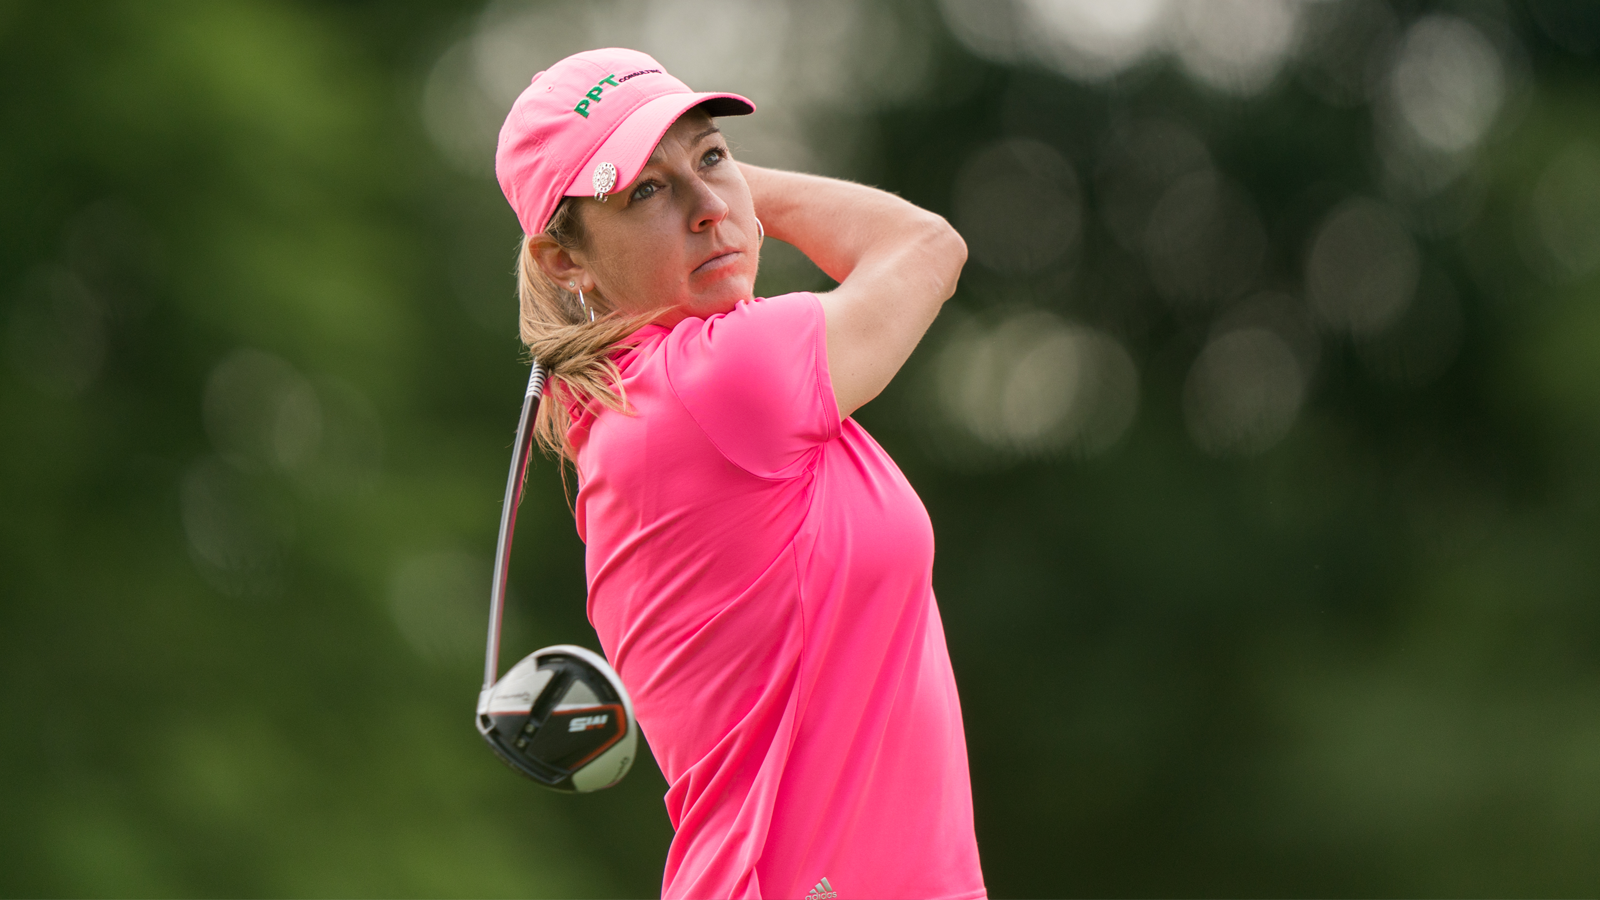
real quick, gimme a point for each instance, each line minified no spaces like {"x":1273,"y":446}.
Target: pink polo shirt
{"x":760,"y":575}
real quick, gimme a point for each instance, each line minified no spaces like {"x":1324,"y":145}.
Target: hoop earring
{"x":574,"y":285}
{"x":761,"y":233}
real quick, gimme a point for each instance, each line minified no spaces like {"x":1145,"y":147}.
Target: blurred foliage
{"x":259,"y":374}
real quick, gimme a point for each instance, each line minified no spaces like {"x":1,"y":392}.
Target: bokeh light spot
{"x":1018,"y":205}
{"x":1093,"y":39}
{"x":56,"y":334}
{"x":1235,"y":46}
{"x":1243,"y":393}
{"x":1204,"y":241}
{"x":1034,"y":385}
{"x":1448,"y":83}
{"x":1362,"y":268}
{"x":1346,"y":40}
{"x":1140,"y":161}
{"x":1565,"y":208}
{"x":261,"y":413}
{"x":437,"y":600}
{"x":238,"y":530}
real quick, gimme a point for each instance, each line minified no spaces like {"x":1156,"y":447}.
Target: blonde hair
{"x":575,"y":352}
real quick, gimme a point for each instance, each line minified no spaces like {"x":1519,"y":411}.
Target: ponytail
{"x":575,"y":352}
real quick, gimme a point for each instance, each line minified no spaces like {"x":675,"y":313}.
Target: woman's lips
{"x":719,"y":261}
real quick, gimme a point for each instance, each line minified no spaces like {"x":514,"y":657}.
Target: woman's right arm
{"x":896,"y":264}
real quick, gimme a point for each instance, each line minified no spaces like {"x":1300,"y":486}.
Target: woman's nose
{"x":709,"y":207}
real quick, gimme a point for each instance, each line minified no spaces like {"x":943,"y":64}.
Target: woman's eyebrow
{"x":656,"y":154}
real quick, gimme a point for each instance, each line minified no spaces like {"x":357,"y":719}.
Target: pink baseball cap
{"x":587,"y":125}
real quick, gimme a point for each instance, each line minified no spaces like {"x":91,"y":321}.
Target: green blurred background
{"x":1259,"y":439}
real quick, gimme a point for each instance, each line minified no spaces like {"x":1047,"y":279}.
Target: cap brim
{"x":629,"y":147}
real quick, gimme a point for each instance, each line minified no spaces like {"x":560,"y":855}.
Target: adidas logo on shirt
{"x":823,"y":891}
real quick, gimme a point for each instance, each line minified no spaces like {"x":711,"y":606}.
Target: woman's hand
{"x":896,"y":264}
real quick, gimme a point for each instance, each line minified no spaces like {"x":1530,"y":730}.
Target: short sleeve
{"x":756,"y":382}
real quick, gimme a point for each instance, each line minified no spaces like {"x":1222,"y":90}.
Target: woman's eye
{"x":642,"y":191}
{"x":714,"y":156}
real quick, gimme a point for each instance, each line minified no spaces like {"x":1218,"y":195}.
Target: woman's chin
{"x":725,"y":297}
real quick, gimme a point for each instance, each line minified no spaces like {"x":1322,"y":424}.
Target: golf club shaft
{"x":508,"y":521}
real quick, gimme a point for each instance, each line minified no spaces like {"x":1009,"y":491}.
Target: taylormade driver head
{"x":563,"y":718}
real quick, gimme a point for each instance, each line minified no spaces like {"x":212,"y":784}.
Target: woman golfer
{"x":759,"y":570}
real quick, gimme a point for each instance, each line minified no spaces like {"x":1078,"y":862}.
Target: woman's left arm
{"x":896,"y":264}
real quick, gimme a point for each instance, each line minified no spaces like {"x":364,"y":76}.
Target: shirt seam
{"x":825,"y":392}
{"x":805,"y":621}
{"x":833,"y":429}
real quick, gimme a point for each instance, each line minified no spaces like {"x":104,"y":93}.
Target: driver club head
{"x":561,"y":717}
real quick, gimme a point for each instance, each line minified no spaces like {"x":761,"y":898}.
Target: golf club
{"x":560,"y":716}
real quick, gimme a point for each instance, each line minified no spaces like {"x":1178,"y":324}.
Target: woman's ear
{"x":557,"y":263}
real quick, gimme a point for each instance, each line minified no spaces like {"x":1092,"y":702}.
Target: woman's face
{"x":682,"y":236}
